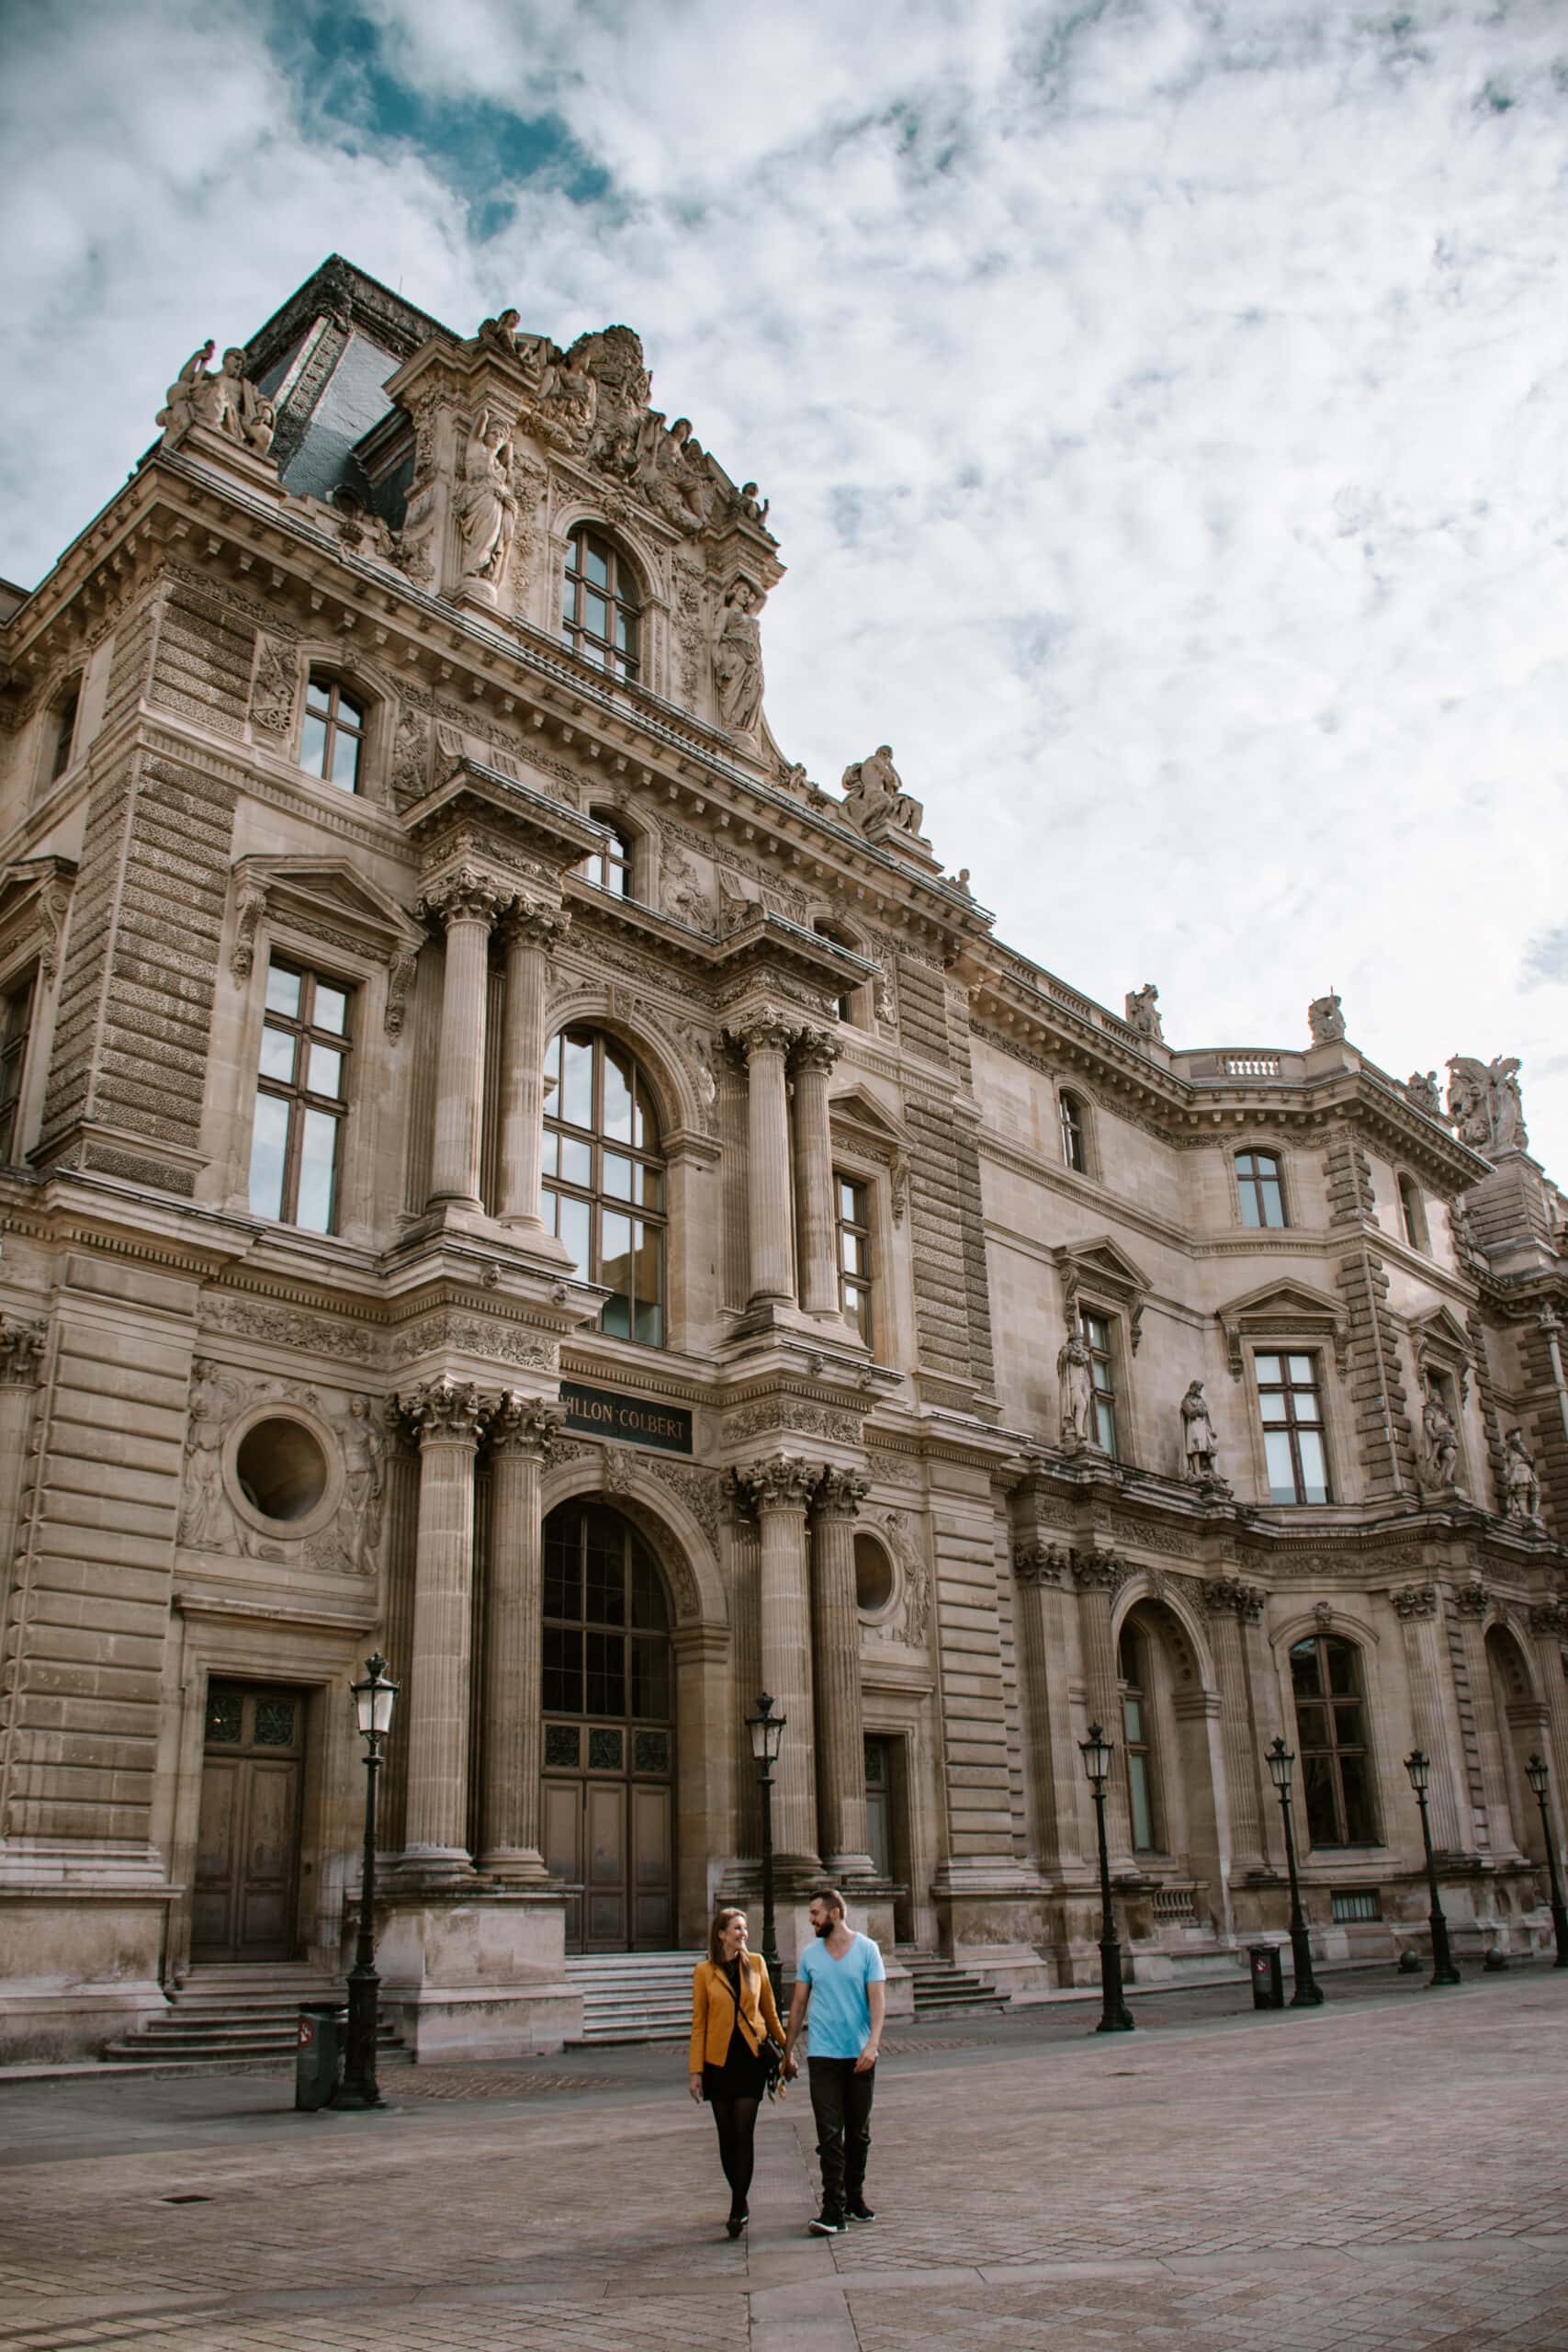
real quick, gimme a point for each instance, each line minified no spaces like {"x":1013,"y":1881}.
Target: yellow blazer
{"x":714,"y":2017}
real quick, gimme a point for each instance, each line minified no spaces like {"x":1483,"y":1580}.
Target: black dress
{"x":743,"y":2075}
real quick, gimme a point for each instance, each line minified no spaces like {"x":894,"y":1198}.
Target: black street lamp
{"x":1419,"y":1767}
{"x":1115,"y":2014}
{"x":373,"y":1701}
{"x":767,"y":1737}
{"x":1536,"y":1769}
{"x":1308,"y":1992}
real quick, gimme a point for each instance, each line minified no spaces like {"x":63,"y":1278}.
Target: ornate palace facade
{"x":500,"y":1166}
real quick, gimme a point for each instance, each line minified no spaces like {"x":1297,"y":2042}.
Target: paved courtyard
{"x":1389,"y":2174}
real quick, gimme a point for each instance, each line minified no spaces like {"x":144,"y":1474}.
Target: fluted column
{"x":466,"y":901}
{"x":1055,"y":1766}
{"x":446,"y":1418}
{"x":765,"y":1042}
{"x":779,"y":1490}
{"x":813,"y":1058}
{"x":841,"y":1720}
{"x":1549,"y":1628}
{"x":1419,"y":1610}
{"x":520,"y":1433}
{"x":1232,"y":1604}
{"x":531,"y":935}
{"x":1097,"y":1576}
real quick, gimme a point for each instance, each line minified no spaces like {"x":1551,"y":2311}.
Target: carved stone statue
{"x":1523,"y":1486}
{"x":746,"y":503}
{"x":486,"y":508}
{"x":1325,"y":1020}
{"x":873,"y":793}
{"x":362,"y":1453}
{"x":226,"y":402}
{"x":672,"y":472}
{"x":207,"y":1518}
{"x":1441,"y":1451}
{"x":738,"y":660}
{"x":1486,"y":1105}
{"x":569,"y":400}
{"x":1075,"y":1383}
{"x":682,"y":892}
{"x":1422,"y":1089}
{"x":1142,"y":1011}
{"x":1200,"y":1447}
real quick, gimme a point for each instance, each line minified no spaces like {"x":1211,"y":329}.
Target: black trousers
{"x":841,"y":2101}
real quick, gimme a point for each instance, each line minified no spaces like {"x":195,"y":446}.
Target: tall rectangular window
{"x":854,"y":1253}
{"x":1096,"y":1332}
{"x":16,"y":1028}
{"x":1291,"y":1402}
{"x":1259,"y":1188}
{"x":1331,"y":1733}
{"x":301,"y":1100}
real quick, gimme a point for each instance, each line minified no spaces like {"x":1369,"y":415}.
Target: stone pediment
{"x":1103,"y":1268}
{"x":319,"y":893}
{"x":858,"y":1111}
{"x":1285,"y":1310}
{"x":34,"y":895}
{"x":1439,"y":1337}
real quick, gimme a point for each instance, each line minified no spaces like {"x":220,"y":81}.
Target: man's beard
{"x":827,"y":1927}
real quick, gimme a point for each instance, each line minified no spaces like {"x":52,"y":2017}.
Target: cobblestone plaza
{"x":1387,"y":2173}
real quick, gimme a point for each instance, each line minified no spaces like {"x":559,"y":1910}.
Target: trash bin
{"x":318,"y":2053}
{"x":1267,"y":1976}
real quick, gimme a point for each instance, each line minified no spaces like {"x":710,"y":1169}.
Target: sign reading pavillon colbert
{"x":605,"y":1412}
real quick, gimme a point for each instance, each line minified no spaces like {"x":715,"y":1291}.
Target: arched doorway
{"x":609,"y":1708}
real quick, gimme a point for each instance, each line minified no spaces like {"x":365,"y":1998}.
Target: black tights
{"x":737,"y":2122}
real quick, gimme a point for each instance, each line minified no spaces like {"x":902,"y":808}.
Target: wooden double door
{"x":247,"y":1864}
{"x":609,"y":1759}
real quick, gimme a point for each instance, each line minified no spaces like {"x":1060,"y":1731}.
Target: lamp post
{"x":767,"y":1736}
{"x":1115,"y":2014}
{"x":373,"y":1701}
{"x":1308,"y":1992}
{"x":1419,"y":1767}
{"x":1537,"y":1771}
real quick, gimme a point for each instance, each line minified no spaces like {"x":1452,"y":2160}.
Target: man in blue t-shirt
{"x":841,"y":1977}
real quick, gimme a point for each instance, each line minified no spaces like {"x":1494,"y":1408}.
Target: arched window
{"x":1074,"y":1148}
{"x":1413,"y":1214}
{"x":603,"y":1178}
{"x":601,"y":604}
{"x":611,"y":867}
{"x":1331,"y":1734}
{"x":1136,"y":1734}
{"x":334,"y":733}
{"x":1260,"y":1188}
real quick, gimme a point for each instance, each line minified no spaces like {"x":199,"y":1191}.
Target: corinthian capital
{"x":535,"y":926}
{"x":21,"y":1352}
{"x":764,"y":1033}
{"x":817,"y":1049}
{"x":1416,"y":1601}
{"x":449,"y":1412}
{"x":1038,"y":1563}
{"x":840,"y":1494}
{"x":465,"y":893}
{"x":1097,"y":1572}
{"x":528,"y":1425}
{"x":783,"y":1482}
{"x":1232,"y":1597}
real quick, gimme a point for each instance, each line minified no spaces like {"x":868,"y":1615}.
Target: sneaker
{"x":829,"y":2225}
{"x":859,"y":2211}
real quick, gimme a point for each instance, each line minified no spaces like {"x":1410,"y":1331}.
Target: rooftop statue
{"x":873,"y":793}
{"x":1486,"y":1105}
{"x":1325,"y":1020}
{"x":1422,"y":1089}
{"x":1142,"y":1011}
{"x":226,"y":402}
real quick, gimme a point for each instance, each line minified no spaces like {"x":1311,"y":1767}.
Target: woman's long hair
{"x":720,"y":1921}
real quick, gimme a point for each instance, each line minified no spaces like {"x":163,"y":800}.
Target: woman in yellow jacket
{"x":732,"y":2016}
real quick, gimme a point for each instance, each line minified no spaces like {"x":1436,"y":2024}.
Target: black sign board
{"x":633,"y":1420}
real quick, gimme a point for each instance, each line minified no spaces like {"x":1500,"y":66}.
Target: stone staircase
{"x":224,"y":2016}
{"x":943,"y":1989}
{"x":633,"y":1995}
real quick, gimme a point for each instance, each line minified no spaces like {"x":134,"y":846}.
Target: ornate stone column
{"x":1232,"y":1604}
{"x":445,"y":1417}
{"x":520,"y":1435}
{"x":1056,"y":1768}
{"x":1549,"y":1629}
{"x":840,"y":1721}
{"x":466,"y":900}
{"x":21,"y":1360}
{"x":765,"y":1041}
{"x":1097,"y":1576}
{"x":779,"y":1490}
{"x":532,"y":933}
{"x":1419,"y":1610}
{"x":813,"y":1058}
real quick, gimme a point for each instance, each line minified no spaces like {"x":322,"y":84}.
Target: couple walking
{"x":740,"y":2051}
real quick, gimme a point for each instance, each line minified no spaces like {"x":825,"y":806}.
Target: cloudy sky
{"x":1164,"y":405}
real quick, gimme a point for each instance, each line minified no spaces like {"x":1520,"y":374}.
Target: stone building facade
{"x":501,"y":1166}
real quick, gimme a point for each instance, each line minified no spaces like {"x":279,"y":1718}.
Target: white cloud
{"x":1162,"y":407}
